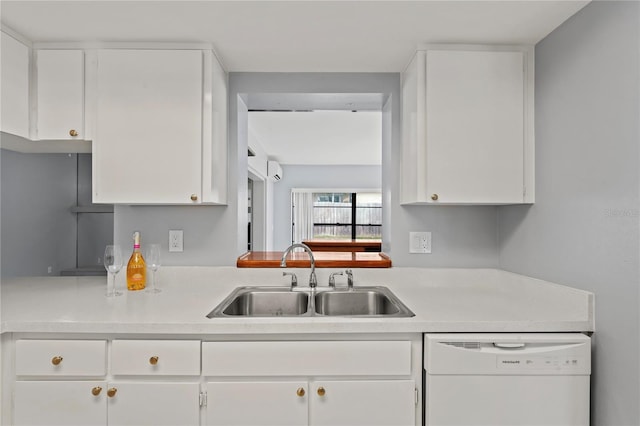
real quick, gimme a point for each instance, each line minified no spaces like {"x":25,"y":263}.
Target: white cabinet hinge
{"x":417,"y":400}
{"x":203,"y":399}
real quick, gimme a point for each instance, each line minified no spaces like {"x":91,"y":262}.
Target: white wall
{"x":348,"y":177}
{"x":583,"y":230}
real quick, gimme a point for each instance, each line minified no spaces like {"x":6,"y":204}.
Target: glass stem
{"x":111,"y":287}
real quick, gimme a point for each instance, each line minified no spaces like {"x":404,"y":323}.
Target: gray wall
{"x":95,"y":230}
{"x":462,"y":236}
{"x":38,"y":230}
{"x":328,"y":177}
{"x":583,"y":229}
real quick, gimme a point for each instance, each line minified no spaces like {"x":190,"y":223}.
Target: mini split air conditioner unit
{"x":274,"y":170}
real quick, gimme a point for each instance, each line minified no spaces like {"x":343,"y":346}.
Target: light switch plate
{"x":420,"y":242}
{"x":176,"y":242}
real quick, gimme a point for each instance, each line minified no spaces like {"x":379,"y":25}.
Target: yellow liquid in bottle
{"x":136,"y":268}
{"x":136,"y":272}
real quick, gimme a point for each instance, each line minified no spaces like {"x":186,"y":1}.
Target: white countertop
{"x":444,"y":300}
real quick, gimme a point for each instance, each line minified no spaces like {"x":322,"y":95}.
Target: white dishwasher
{"x":505,"y":379}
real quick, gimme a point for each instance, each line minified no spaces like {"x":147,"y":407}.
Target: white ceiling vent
{"x":274,"y":170}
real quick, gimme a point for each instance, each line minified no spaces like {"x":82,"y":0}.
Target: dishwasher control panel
{"x":507,"y":353}
{"x":529,"y":362}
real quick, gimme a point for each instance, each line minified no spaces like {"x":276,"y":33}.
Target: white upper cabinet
{"x":468,"y":126}
{"x":214,"y":142}
{"x":15,"y":86}
{"x":60,"y":94}
{"x":153,"y":138}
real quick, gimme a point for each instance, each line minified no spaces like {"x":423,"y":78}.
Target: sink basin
{"x":361,"y":301}
{"x":262,"y":302}
{"x":282,"y":302}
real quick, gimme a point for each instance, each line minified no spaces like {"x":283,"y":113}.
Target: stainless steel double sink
{"x":283,"y":302}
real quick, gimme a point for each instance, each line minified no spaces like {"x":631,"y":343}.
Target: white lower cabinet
{"x":153,"y":404}
{"x":139,"y":382}
{"x":257,"y":403}
{"x":60,"y":403}
{"x":69,"y":382}
{"x":55,"y":385}
{"x":88,"y":403}
{"x":318,"y":403}
{"x":316,"y":383}
{"x":362,"y":403}
{"x":151,"y":401}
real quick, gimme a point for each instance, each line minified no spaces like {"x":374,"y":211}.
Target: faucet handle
{"x":294,"y":279}
{"x":332,"y":278}
{"x":349,"y":273}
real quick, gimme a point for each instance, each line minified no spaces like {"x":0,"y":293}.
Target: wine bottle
{"x":136,"y":268}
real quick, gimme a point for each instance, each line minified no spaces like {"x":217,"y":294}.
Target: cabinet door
{"x":60,"y":94}
{"x":148,"y":127}
{"x":153,"y":404}
{"x":80,"y":403}
{"x":257,"y":403}
{"x":362,"y":403}
{"x":475,"y":126}
{"x":14,"y":78}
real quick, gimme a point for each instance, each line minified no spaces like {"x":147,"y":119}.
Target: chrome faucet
{"x":294,"y":279}
{"x":349,"y":273}
{"x":332,"y":279}
{"x":313,"y":282}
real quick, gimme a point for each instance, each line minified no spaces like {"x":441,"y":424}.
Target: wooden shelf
{"x":324,"y":259}
{"x":344,"y":245}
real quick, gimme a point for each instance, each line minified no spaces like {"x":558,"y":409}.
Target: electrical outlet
{"x":176,"y":242}
{"x":419,"y":242}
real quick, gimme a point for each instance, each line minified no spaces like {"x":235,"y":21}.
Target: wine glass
{"x":113,"y":264}
{"x":152,"y":259}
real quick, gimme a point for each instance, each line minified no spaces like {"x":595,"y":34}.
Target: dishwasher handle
{"x":509,"y":345}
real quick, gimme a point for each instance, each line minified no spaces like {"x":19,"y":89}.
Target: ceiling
{"x":319,"y":137}
{"x":294,"y":36}
{"x":317,"y":128}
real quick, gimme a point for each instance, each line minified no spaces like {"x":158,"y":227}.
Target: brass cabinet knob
{"x":111,"y":392}
{"x":300,"y":392}
{"x":194,"y":197}
{"x":73,"y":132}
{"x":153,"y":360}
{"x":434,"y":197}
{"x":96,"y":391}
{"x":321,"y":391}
{"x":56,"y":360}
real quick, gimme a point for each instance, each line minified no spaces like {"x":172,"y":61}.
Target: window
{"x":339,"y":215}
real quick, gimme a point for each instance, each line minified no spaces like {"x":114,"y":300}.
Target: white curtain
{"x":302,"y":216}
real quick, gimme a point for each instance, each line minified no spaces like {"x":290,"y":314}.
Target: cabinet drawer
{"x":61,"y":357}
{"x":155,"y":357}
{"x":371,"y":358}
